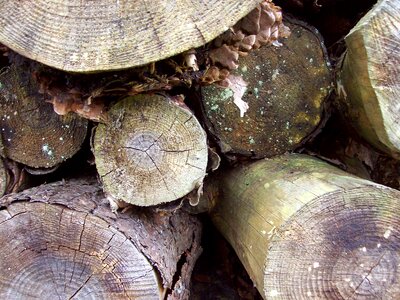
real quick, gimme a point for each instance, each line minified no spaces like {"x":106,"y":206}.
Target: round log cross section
{"x":52,"y":252}
{"x":153,"y":151}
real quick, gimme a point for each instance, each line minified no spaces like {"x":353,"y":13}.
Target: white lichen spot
{"x":15,"y":113}
{"x":244,"y":69}
{"x":275,"y":73}
{"x":61,"y":138}
{"x":387,"y":233}
{"x":273,"y":293}
{"x":378,"y":245}
{"x":351,"y":284}
{"x":309,"y":269}
{"x":364,"y":249}
{"x":287,"y":125}
{"x":258,"y":68}
{"x":309,"y":294}
{"x":263,"y":232}
{"x":347,"y":279}
{"x":311,"y":60}
{"x":362,"y":265}
{"x":47,"y":150}
{"x":9,"y":140}
{"x":316,"y":265}
{"x":251,"y":140}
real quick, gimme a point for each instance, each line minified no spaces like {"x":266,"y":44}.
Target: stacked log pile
{"x":211,"y":130}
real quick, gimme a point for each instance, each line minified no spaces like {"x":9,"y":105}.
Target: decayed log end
{"x":152,"y":151}
{"x":369,"y":75}
{"x":61,"y":241}
{"x":32,"y":133}
{"x":284,"y":88}
{"x":51,"y":252}
{"x":303,"y":228}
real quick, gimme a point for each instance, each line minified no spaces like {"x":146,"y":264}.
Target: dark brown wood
{"x":32,"y":133}
{"x":284,"y":88}
{"x":61,"y":241}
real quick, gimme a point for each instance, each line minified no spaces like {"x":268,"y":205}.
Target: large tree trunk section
{"x":152,"y":151}
{"x":303,"y":228}
{"x":32,"y":133}
{"x":369,"y":76}
{"x":286,"y":88}
{"x":61,"y":241}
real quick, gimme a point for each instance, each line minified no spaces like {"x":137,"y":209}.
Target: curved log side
{"x":369,"y":74}
{"x":61,"y":241}
{"x":3,"y":178}
{"x":303,"y":228}
{"x":32,"y":133}
{"x":152,"y":151}
{"x":284,"y":87}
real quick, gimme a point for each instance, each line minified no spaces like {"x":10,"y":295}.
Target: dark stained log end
{"x":285,"y":92}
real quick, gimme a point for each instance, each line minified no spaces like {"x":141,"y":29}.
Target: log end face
{"x":347,"y":240}
{"x":285,"y":88}
{"x":152,"y":152}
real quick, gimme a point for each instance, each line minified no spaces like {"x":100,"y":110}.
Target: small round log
{"x":61,"y":241}
{"x":284,"y":87}
{"x":305,"y":229}
{"x":369,"y":76}
{"x":32,"y":133}
{"x":152,"y":151}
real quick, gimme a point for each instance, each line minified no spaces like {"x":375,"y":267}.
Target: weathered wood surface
{"x":305,"y":229}
{"x":369,"y":75}
{"x":152,"y":151}
{"x":61,"y":241}
{"x":3,"y":178}
{"x":32,"y":133}
{"x":284,"y":87}
{"x":93,"y":36}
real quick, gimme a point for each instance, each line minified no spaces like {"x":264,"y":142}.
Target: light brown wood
{"x":32,"y":133}
{"x":3,"y":177}
{"x":284,"y":87}
{"x":152,"y":151}
{"x":61,"y":241}
{"x":305,"y":229}
{"x":370,"y":75}
{"x":84,"y":36}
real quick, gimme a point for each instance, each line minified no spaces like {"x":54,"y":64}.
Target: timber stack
{"x":165,"y":120}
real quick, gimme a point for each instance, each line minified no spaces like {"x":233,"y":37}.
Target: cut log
{"x":61,"y":241}
{"x":305,"y":229}
{"x":284,"y":87}
{"x":32,"y":133}
{"x":152,"y":151}
{"x":369,"y":76}
{"x":3,"y":178}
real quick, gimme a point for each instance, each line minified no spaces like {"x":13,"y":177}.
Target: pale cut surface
{"x":84,"y":36}
{"x":370,"y":76}
{"x":52,"y":252}
{"x":152,"y":151}
{"x":3,"y":177}
{"x":304,"y":229}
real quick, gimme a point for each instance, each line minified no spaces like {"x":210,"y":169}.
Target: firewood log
{"x":305,"y":229}
{"x":284,"y":87}
{"x":32,"y":133}
{"x":368,"y":76}
{"x":153,"y":150}
{"x":3,"y":178}
{"x":61,"y":241}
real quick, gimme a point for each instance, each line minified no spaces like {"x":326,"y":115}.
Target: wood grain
{"x":85,"y":36}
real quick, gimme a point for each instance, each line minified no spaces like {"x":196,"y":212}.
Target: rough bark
{"x":32,"y":133}
{"x":61,"y":241}
{"x":284,"y":87}
{"x":152,"y":151}
{"x":303,"y":228}
{"x":369,"y":77}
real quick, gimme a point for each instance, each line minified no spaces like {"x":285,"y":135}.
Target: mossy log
{"x":61,"y":241}
{"x":285,"y":92}
{"x":152,"y":151}
{"x":369,"y":76}
{"x":305,"y":229}
{"x":32,"y":133}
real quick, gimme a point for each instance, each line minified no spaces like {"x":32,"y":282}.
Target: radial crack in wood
{"x":370,"y":75}
{"x":284,"y":87}
{"x":32,"y":133}
{"x":66,"y":244}
{"x":305,"y":229}
{"x":152,"y":151}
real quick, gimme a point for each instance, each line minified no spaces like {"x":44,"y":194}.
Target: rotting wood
{"x":152,"y":151}
{"x":284,"y":88}
{"x":61,"y":241}
{"x":32,"y":133}
{"x":303,"y":228}
{"x":368,"y":78}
